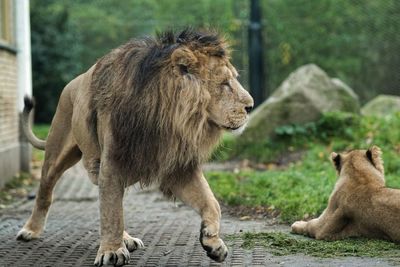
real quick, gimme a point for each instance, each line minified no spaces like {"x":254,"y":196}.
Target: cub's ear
{"x":374,"y":155}
{"x":337,"y":161}
{"x":184,"y":61}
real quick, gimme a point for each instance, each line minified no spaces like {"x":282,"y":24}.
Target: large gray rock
{"x":302,"y":97}
{"x":382,"y":105}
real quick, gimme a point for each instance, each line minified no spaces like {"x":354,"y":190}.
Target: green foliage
{"x":55,"y":54}
{"x":331,"y":124}
{"x":289,"y":138}
{"x":281,"y":244}
{"x":304,"y":187}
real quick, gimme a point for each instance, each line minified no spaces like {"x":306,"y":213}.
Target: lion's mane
{"x":159,"y":120}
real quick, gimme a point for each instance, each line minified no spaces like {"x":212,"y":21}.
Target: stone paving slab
{"x":169,"y":231}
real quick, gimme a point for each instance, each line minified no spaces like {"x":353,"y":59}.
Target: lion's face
{"x":208,"y":78}
{"x":230,"y":102}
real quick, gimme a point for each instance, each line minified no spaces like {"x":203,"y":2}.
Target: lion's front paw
{"x":215,"y":248}
{"x":109,"y":256}
{"x":211,"y":243}
{"x":299,"y":227}
{"x":132,"y":243}
{"x":26,"y":235}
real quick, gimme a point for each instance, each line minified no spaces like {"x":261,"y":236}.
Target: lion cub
{"x":360,"y":204}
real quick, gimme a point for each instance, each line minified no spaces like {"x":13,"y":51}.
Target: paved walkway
{"x":169,"y":231}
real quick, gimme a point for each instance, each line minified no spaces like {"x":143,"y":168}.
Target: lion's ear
{"x":336,"y":160}
{"x":184,"y":61}
{"x":374,"y":155}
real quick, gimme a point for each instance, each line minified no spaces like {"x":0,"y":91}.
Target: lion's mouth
{"x":227,"y":128}
{"x":237,"y":130}
{"x":231,"y":128}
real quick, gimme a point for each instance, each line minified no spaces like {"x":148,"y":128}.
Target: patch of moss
{"x":281,"y":244}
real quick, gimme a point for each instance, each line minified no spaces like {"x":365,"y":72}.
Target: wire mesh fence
{"x":357,"y":41}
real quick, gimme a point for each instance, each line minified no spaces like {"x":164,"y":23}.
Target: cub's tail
{"x":26,"y":124}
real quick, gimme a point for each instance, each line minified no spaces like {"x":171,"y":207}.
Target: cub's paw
{"x":132,"y":243}
{"x":299,"y":227}
{"x":108,"y":256}
{"x":27,"y":235}
{"x":215,"y":247}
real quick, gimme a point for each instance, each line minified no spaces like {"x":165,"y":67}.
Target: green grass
{"x":303,"y":188}
{"x":41,"y":131}
{"x":281,"y":244}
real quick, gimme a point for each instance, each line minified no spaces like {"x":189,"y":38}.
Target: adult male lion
{"x":150,"y":110}
{"x":360,"y":204}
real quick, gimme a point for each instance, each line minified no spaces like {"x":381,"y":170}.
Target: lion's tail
{"x":27,"y":126}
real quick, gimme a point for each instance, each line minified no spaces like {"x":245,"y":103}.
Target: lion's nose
{"x":248,"y":109}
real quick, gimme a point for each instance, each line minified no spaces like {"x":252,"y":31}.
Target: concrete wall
{"x":23,"y":41}
{"x":9,"y":121}
{"x":15,"y":82}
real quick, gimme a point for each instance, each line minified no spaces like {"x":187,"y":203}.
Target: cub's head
{"x":208,"y":81}
{"x":360,"y":164}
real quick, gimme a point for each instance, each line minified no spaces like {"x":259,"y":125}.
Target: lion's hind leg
{"x":132,"y":243}
{"x":61,"y":153}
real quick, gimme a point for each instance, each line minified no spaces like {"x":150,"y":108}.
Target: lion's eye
{"x":183,"y":69}
{"x":227,"y":84}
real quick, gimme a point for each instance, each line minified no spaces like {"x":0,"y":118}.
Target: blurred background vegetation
{"x":356,"y":41}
